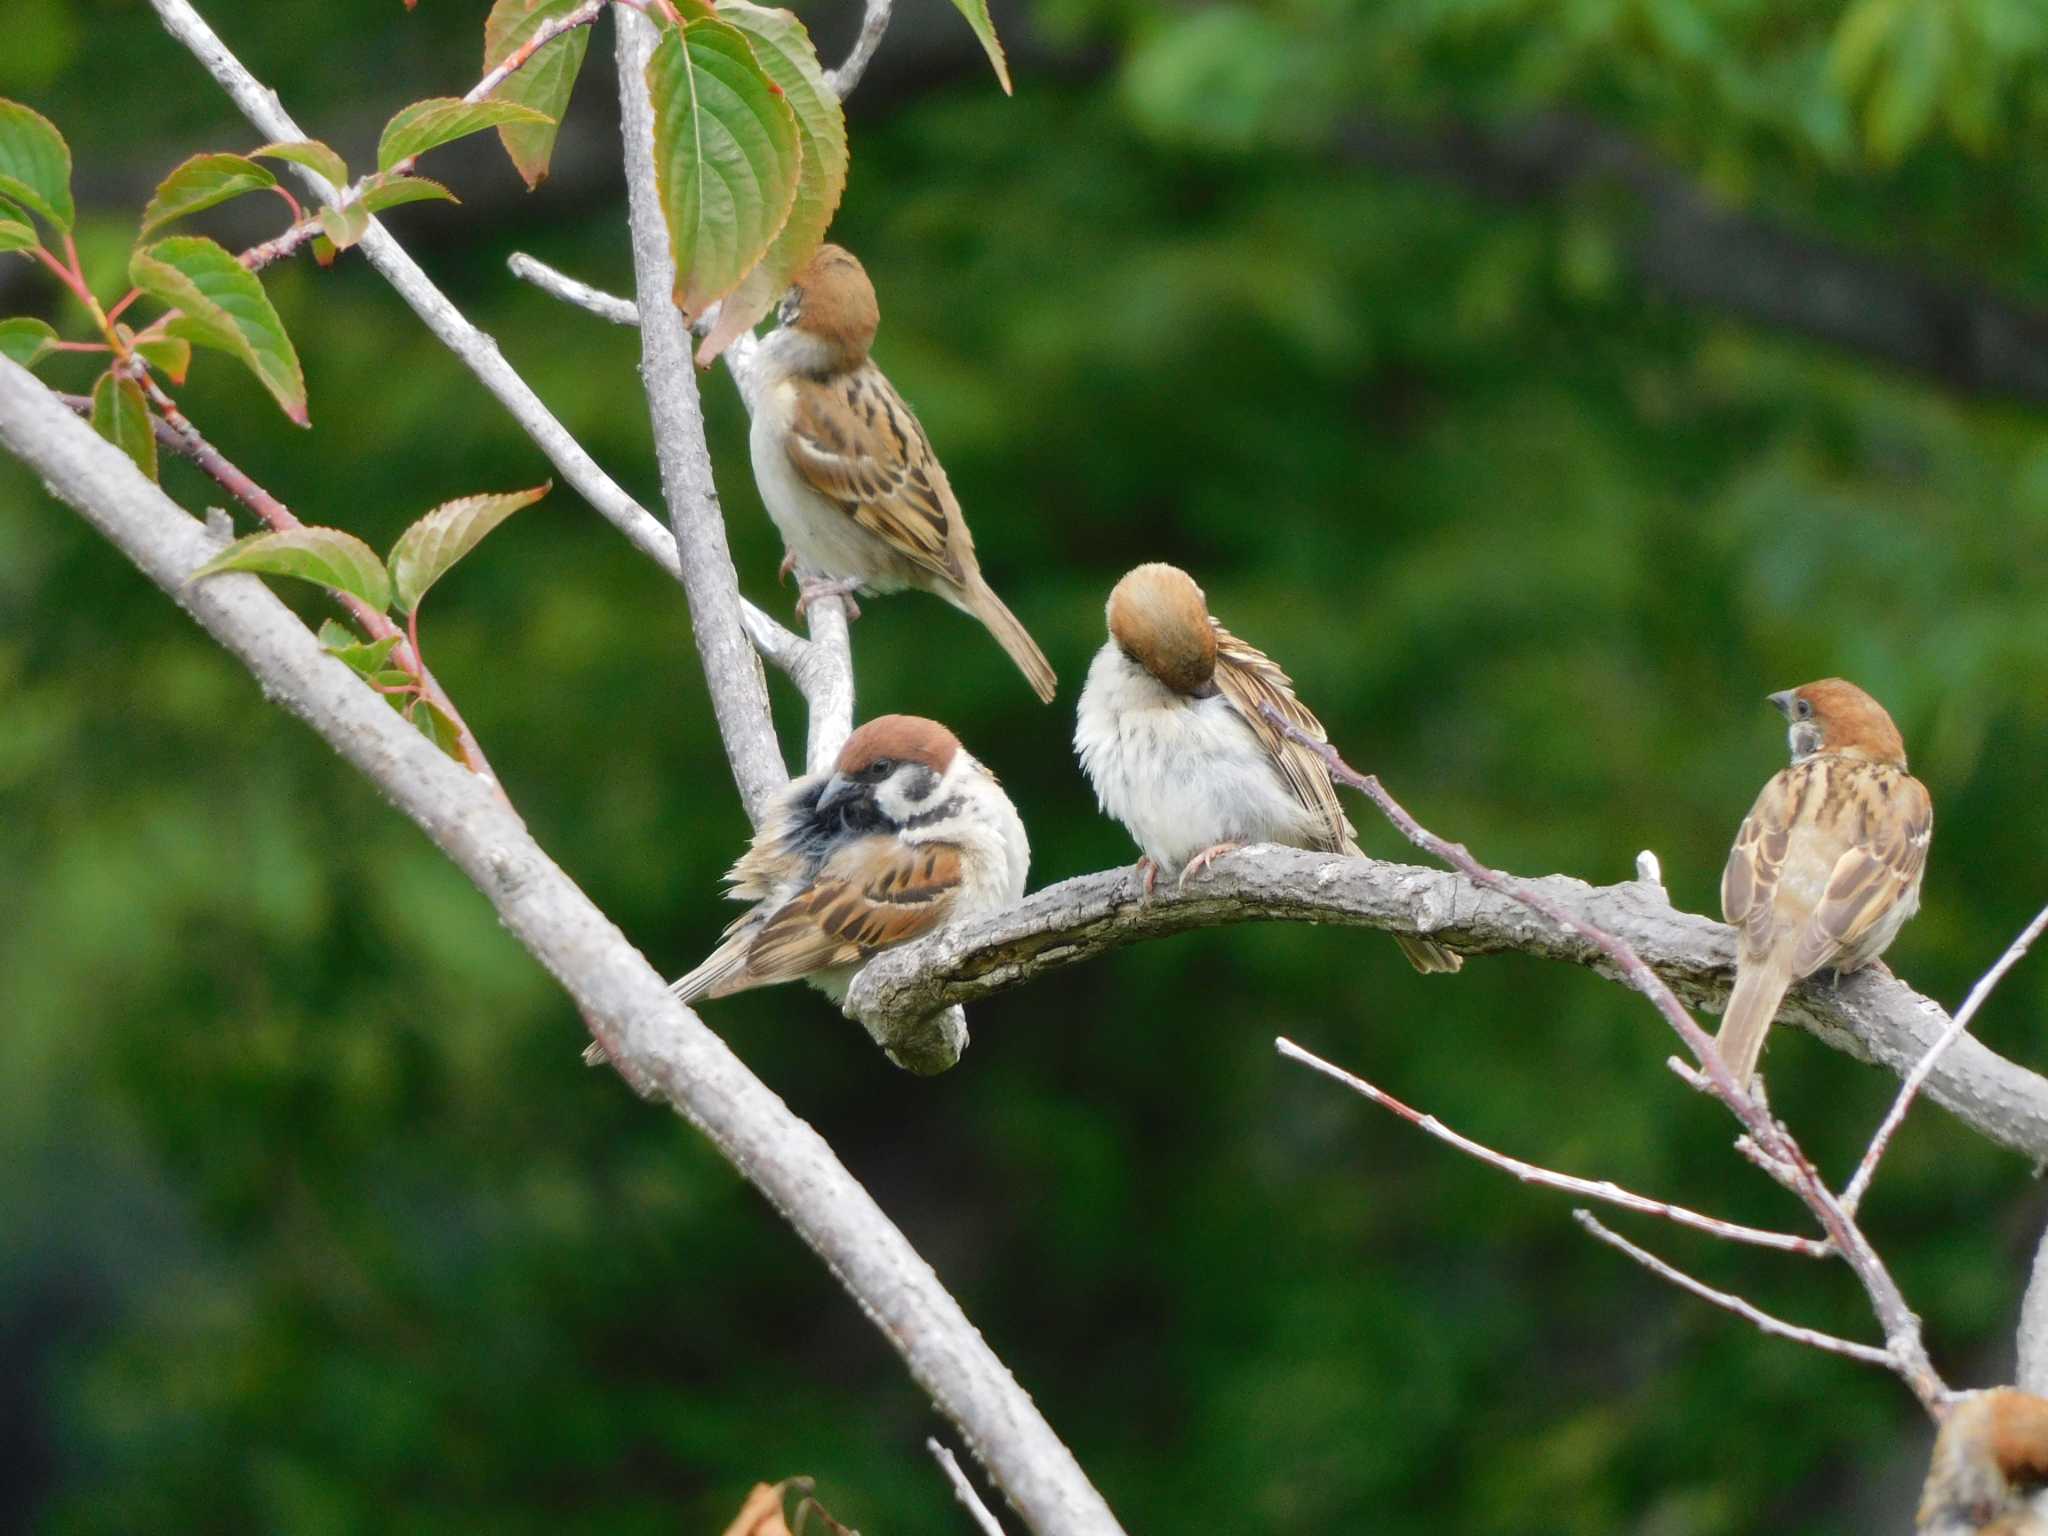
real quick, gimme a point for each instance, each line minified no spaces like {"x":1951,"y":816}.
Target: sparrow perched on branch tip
{"x":1827,"y":867}
{"x":847,"y":472}
{"x":1170,"y":733}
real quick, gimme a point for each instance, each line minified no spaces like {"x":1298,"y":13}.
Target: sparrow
{"x":1826,"y":868}
{"x":846,"y":471}
{"x":1170,"y":733}
{"x":1990,"y":1462}
{"x":906,"y":833}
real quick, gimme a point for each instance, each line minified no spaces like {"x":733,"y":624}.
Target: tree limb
{"x":1871,"y":1017}
{"x":659,"y":1045}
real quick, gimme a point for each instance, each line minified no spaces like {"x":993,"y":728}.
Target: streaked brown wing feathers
{"x":856,"y":443}
{"x":1249,"y":679}
{"x":870,"y":896}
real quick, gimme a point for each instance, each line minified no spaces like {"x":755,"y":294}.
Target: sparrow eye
{"x":880,"y":769}
{"x":1803,"y":709}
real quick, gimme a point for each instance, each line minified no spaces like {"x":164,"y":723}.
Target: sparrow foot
{"x":810,"y":590}
{"x":782,"y":571}
{"x":1203,"y":860}
{"x":1147,"y":874}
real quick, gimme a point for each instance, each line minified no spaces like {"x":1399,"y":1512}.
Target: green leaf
{"x":344,"y":226}
{"x":543,"y":82}
{"x":323,"y":250}
{"x":436,"y":121}
{"x":35,"y":163}
{"x":783,"y":49}
{"x":120,"y":414}
{"x":976,"y":12}
{"x":392,"y":192}
{"x":437,"y":726}
{"x":725,"y":157}
{"x":367,"y":657}
{"x":313,"y":155}
{"x":26,"y":341}
{"x":425,"y":551}
{"x":169,"y":355}
{"x":201,"y":182}
{"x":225,"y":307}
{"x":17,"y":237}
{"x":338,"y":561}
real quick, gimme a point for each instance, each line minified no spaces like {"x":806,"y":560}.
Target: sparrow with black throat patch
{"x":1827,"y":866}
{"x":908,"y":832}
{"x":1171,"y":734}
{"x":846,"y":471}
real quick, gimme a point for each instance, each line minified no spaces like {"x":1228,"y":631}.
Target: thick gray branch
{"x":1869,"y":1016}
{"x":659,"y":1046}
{"x":739,"y":691}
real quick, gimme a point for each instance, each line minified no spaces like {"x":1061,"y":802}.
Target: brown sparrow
{"x":907,"y":832}
{"x":1827,"y":868}
{"x":1170,"y":733}
{"x":847,"y":473}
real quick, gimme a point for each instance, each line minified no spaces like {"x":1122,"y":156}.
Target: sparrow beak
{"x":1781,"y":702}
{"x":837,"y":788}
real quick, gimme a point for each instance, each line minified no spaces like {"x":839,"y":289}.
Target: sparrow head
{"x":1834,"y":716}
{"x":832,"y":300}
{"x":891,"y":770}
{"x":1160,"y":620}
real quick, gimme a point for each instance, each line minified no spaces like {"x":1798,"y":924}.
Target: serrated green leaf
{"x":543,"y":82}
{"x":438,"y":120}
{"x":365,"y":657}
{"x":783,"y":49}
{"x":312,"y":154}
{"x":381,"y":193}
{"x":202,"y":182}
{"x":328,"y":557}
{"x":17,"y":237}
{"x":26,"y":341}
{"x":438,"y":727}
{"x":224,"y":306}
{"x":976,"y":12}
{"x":344,"y":226}
{"x":425,"y":551}
{"x":120,"y":414}
{"x":726,"y":157}
{"x":169,"y":355}
{"x":35,"y":163}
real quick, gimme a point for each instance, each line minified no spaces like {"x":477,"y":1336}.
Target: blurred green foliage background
{"x":312,"y":1221}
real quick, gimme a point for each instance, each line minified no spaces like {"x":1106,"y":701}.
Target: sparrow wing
{"x":873,"y":894}
{"x":1248,"y":678}
{"x":1896,"y":820}
{"x":1749,"y":882}
{"x":856,"y":443}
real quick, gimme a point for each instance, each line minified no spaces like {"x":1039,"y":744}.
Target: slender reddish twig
{"x":1859,"y":1185}
{"x":1906,"y":1347}
{"x":1869,"y":1354}
{"x":544,"y":34}
{"x":1531,"y":1173}
{"x":175,"y":431}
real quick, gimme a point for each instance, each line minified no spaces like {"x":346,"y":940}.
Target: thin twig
{"x":1869,"y":1354}
{"x":963,"y":1490}
{"x":1906,"y":1347}
{"x":516,"y":60}
{"x":1859,"y":1185}
{"x":606,"y":306}
{"x":1531,"y":1173}
{"x":873,"y":23}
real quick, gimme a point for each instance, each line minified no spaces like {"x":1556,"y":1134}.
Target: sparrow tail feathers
{"x":979,"y":599}
{"x":1428,"y":956}
{"x":1752,"y":1007}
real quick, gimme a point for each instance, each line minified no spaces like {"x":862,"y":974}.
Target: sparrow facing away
{"x":1170,"y":733}
{"x":847,"y":472}
{"x":1827,"y":867}
{"x":907,"y":832}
